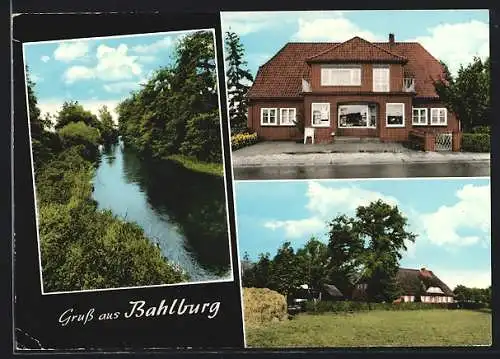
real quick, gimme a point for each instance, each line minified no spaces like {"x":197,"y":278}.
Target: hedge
{"x":241,"y":140}
{"x":476,"y":142}
{"x":353,"y":306}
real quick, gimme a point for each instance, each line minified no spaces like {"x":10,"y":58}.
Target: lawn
{"x":193,"y":164}
{"x":376,"y":328}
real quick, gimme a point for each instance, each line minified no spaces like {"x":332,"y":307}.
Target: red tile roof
{"x":356,"y":49}
{"x":282,"y":75}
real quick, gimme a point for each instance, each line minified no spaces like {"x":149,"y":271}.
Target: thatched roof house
{"x":417,"y":285}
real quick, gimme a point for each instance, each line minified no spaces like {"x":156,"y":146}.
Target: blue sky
{"x":97,"y":71}
{"x":454,"y":36}
{"x":450,"y":216}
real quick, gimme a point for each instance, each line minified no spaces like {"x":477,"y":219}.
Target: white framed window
{"x":395,"y":115}
{"x":381,"y":79}
{"x":341,"y":75}
{"x":419,"y":117}
{"x":268,"y":116}
{"x":439,"y":117}
{"x":320,"y":114}
{"x":287,"y":116}
{"x":357,"y":115}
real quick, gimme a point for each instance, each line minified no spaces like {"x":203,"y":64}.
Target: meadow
{"x":439,"y":327}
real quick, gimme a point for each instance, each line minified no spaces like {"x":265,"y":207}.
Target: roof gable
{"x":281,"y":76}
{"x":356,"y":49}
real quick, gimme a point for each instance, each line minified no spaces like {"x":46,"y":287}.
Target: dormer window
{"x":409,"y":84}
{"x":340,"y":75}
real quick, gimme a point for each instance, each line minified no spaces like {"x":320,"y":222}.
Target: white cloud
{"x":244,"y":23}
{"x":298,"y":228}
{"x":146,"y":59}
{"x":112,"y":64}
{"x":45,"y":58}
{"x":469,"y":278}
{"x":471,"y":212}
{"x":331,"y":29}
{"x":78,"y":72}
{"x":156,"y":46}
{"x":69,"y":51}
{"x":324,"y":203}
{"x":52,"y":106}
{"x":118,"y":87}
{"x":457,"y":43}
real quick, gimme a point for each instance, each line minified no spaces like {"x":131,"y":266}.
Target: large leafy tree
{"x":176,"y":110}
{"x":468,"y":93}
{"x":382,"y":229}
{"x":238,"y":80}
{"x":344,"y":248}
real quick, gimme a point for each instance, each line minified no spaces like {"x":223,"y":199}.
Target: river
{"x":182,"y":211}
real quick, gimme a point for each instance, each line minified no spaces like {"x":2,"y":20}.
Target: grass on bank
{"x":375,"y":328}
{"x":216,"y":169}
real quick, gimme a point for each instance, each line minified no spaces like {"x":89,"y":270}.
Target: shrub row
{"x":353,"y":306}
{"x":241,"y":140}
{"x":476,"y":142}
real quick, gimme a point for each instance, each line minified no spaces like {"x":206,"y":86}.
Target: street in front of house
{"x":361,"y":159}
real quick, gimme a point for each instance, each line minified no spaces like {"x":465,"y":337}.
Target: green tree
{"x":78,"y":133}
{"x":467,"y":94}
{"x":43,"y":143}
{"x":203,"y":137}
{"x":344,"y":248}
{"x":108,"y":130}
{"x":286,"y":275}
{"x":176,"y":110}
{"x":313,"y":260}
{"x":72,"y":111}
{"x":382,"y":229}
{"x":238,"y":77}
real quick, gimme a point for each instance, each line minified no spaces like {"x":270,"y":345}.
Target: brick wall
{"x":395,"y":73}
{"x":274,"y":132}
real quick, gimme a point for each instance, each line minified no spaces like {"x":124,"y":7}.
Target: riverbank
{"x":216,"y":169}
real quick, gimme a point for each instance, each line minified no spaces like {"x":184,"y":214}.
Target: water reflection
{"x":473,"y":169}
{"x":184,"y":212}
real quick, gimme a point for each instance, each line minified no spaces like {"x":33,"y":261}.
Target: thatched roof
{"x":414,"y":281}
{"x":332,"y":290}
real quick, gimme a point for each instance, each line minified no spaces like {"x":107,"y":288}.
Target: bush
{"x":482,"y":129}
{"x":203,"y":139}
{"x":263,"y":305}
{"x":241,"y":140}
{"x":354,"y":306}
{"x":476,"y":142}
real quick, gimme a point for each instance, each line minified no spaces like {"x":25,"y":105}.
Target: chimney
{"x":391,"y":39}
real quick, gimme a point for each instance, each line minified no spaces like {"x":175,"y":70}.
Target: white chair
{"x":308,"y":132}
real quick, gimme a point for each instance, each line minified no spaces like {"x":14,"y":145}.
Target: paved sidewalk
{"x":278,"y":156}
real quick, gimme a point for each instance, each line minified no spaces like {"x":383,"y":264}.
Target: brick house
{"x":354,"y":88}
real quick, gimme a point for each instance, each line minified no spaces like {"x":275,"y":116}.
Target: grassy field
{"x":376,"y":328}
{"x":216,"y":169}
